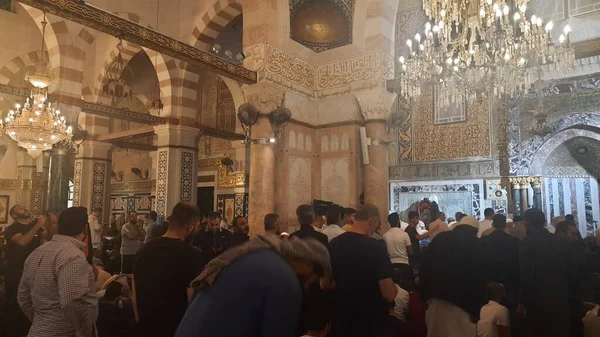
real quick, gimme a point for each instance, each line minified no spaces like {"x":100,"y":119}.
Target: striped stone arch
{"x":380,"y":23}
{"x":166,"y":66}
{"x":213,"y":21}
{"x":16,"y":65}
{"x":204,"y":35}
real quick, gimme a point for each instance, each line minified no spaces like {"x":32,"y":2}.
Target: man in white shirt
{"x":494,"y":318}
{"x":333,"y":230}
{"x":96,"y":228}
{"x":486,"y":223}
{"x":399,"y":248}
{"x":438,"y":226}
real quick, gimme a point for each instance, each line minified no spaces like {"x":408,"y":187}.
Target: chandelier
{"x":477,"y":49}
{"x":115,"y":86}
{"x":155,"y":104}
{"x":37,"y":125}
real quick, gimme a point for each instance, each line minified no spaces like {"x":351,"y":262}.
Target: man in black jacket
{"x":500,"y":256}
{"x":240,"y":231}
{"x":216,"y":240}
{"x":306,"y":216}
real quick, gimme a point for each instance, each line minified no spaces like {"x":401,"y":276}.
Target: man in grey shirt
{"x":56,"y":291}
{"x":133,"y":234}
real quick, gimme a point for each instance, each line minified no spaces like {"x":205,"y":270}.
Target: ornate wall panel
{"x":142,"y":203}
{"x":456,"y":112}
{"x":335,"y":180}
{"x":98,"y":185}
{"x":329,"y":79}
{"x":226,"y":116}
{"x":161,"y":183}
{"x":299,"y":182}
{"x":452,"y":196}
{"x":77,"y":182}
{"x":408,"y":23}
{"x":475,"y":169}
{"x":451,"y":141}
{"x":569,"y":103}
{"x":187,"y":165}
{"x":232,"y":205}
{"x":225,"y":178}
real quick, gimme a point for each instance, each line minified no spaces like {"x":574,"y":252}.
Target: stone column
{"x":524,"y":194}
{"x":176,"y":166}
{"x":516,"y":196}
{"x":61,"y":169}
{"x":262,"y":185}
{"x":536,"y":184}
{"x":92,"y":177}
{"x":375,"y":106}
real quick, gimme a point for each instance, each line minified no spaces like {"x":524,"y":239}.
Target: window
{"x":455,"y":112}
{"x":71,"y":191}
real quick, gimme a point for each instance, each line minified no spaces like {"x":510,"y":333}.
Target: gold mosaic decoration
{"x":450,"y":141}
{"x":144,"y":186}
{"x":114,"y":25}
{"x":224,"y":179}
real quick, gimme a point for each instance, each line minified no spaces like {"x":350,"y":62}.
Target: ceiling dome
{"x":320,"y":25}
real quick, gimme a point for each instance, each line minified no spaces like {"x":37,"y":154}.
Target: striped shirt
{"x":56,"y":290}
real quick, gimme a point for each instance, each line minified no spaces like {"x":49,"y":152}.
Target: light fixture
{"x":37,"y":125}
{"x":474,"y":49}
{"x":279,"y":118}
{"x":139,"y":173}
{"x":155,"y":104}
{"x":115,"y":86}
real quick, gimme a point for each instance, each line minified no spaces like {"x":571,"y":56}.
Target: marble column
{"x":524,"y":194}
{"x":375,"y":105}
{"x":176,"y":166}
{"x":516,"y":196}
{"x":261,"y":185}
{"x":263,"y":160}
{"x":61,"y":170}
{"x":91,"y":178}
{"x":536,"y":184}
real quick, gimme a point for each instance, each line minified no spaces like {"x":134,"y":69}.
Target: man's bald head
{"x":366,"y":212}
{"x":367,"y":219}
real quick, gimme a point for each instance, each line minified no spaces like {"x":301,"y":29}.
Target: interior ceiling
{"x":321,"y":24}
{"x":576,"y":154}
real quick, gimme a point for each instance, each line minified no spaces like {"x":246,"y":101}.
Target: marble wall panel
{"x":299,"y":182}
{"x":466,"y":196}
{"x":335,"y":178}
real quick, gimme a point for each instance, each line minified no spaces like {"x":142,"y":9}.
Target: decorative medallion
{"x":98,"y":185}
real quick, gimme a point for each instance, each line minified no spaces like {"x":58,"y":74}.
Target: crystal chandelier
{"x":37,"y":125}
{"x":476,"y":49}
{"x":115,"y":86}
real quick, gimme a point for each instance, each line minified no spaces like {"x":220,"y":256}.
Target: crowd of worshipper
{"x":339,"y":275}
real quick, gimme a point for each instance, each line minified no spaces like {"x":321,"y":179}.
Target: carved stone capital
{"x":516,"y":183}
{"x":95,"y":149}
{"x":375,"y":104}
{"x":265,"y":97}
{"x":536,"y":182}
{"x":177,"y":135}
